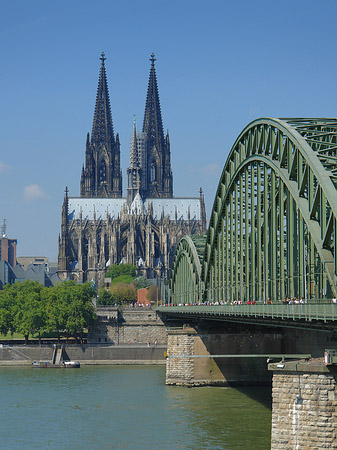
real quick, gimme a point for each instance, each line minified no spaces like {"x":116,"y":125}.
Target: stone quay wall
{"x":127,"y":326}
{"x":304,"y":412}
{"x":85,"y":354}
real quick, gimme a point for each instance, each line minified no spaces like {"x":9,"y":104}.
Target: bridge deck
{"x":323,"y":312}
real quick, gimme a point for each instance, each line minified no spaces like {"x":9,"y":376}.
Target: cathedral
{"x":101,"y":227}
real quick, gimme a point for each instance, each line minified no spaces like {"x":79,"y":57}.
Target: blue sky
{"x":220,"y":64}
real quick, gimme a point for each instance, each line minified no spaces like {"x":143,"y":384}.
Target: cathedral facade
{"x":101,"y":227}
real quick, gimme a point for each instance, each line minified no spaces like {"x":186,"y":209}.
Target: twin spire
{"x":149,"y":153}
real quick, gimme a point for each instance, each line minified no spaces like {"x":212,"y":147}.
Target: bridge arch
{"x":272,"y":229}
{"x":185,"y":282}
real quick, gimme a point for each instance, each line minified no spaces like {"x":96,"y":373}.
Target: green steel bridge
{"x":272,"y":231}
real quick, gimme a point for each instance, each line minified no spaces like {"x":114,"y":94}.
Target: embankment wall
{"x":127,"y":326}
{"x":86,"y":354}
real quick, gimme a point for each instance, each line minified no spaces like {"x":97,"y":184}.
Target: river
{"x":126,"y":407}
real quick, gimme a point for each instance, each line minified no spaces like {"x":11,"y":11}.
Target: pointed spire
{"x":134,"y":160}
{"x":153,"y":124}
{"x":102,"y":128}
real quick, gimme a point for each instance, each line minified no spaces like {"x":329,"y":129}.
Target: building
{"x":7,"y":247}
{"x":101,"y":227}
{"x":17,"y":269}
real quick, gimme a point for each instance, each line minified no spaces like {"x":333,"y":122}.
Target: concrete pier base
{"x":304,"y":411}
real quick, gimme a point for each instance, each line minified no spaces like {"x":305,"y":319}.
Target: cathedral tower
{"x":150,"y":171}
{"x":101,"y":176}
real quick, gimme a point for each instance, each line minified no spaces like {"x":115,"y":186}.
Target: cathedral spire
{"x":102,"y":127}
{"x":102,"y":176}
{"x":157,"y":180}
{"x":134,"y":160}
{"x":134,"y":170}
{"x":153,"y":124}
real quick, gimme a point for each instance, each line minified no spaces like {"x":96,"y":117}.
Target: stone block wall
{"x":200,"y":369}
{"x":86,"y":354}
{"x":128,"y":326}
{"x":304,"y":411}
{"x":180,"y":371}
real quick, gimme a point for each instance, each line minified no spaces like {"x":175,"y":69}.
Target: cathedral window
{"x":153,"y":172}
{"x":102,"y":172}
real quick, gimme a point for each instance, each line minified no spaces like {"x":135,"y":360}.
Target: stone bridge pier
{"x":197,"y":357}
{"x":304,"y":414}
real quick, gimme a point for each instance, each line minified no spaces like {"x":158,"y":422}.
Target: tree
{"x":153,"y":294}
{"x":7,"y":302}
{"x":124,"y":293}
{"x":105,"y":297}
{"x":28,"y":309}
{"x":142,"y":283}
{"x":121,"y":269}
{"x":70,"y":308}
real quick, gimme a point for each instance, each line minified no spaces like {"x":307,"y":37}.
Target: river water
{"x":126,"y":407}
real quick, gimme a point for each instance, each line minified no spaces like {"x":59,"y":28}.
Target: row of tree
{"x":29,"y":308}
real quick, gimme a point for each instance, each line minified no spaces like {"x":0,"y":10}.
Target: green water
{"x":126,"y":407}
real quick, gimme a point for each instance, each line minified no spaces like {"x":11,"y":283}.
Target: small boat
{"x":62,"y":365}
{"x":72,"y":364}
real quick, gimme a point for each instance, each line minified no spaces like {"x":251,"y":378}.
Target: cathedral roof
{"x":175,"y":208}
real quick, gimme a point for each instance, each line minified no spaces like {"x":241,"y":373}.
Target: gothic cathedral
{"x":101,"y":227}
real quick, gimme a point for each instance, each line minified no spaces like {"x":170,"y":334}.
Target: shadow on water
{"x":260,"y":394}
{"x":225,"y":417}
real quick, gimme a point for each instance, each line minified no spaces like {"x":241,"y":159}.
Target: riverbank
{"x":86,"y":354}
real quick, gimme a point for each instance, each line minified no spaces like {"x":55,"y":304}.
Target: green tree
{"x":124,"y":293}
{"x":121,"y":269}
{"x":142,"y":283}
{"x":70,"y":308}
{"x":7,"y":303}
{"x":28,"y":309}
{"x":153,"y":294}
{"x":105,"y":297}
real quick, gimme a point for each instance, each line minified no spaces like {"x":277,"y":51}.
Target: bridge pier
{"x":304,"y":411}
{"x":190,"y":361}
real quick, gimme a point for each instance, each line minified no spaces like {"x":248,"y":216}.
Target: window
{"x":153,"y":172}
{"x":102,"y":172}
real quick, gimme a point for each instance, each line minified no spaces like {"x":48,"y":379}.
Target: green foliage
{"x":105,"y":298}
{"x":126,"y":279}
{"x":124,"y":293}
{"x":121,"y":269}
{"x":153,"y":294}
{"x":30,"y":308}
{"x":142,"y":283}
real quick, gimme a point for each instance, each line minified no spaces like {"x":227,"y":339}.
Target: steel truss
{"x":272,"y":230}
{"x":186,"y":285}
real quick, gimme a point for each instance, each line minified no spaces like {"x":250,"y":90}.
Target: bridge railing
{"x":308,"y":312}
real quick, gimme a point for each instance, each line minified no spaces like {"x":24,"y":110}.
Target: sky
{"x":220,"y":65}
